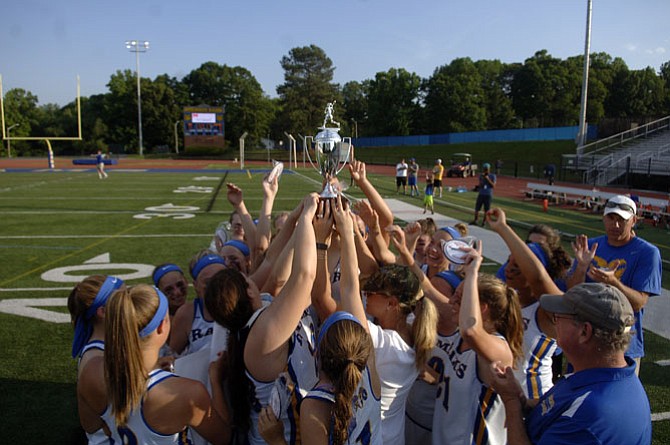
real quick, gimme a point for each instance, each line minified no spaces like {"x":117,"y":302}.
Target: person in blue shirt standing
{"x":603,"y":401}
{"x":487,"y":181}
{"x":623,"y":260}
{"x":100,"y":165}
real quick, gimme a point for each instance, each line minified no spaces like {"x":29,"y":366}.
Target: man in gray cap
{"x":623,"y":260}
{"x":603,"y":401}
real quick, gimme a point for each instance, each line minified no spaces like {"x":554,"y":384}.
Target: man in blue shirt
{"x":603,"y":402}
{"x":623,"y":260}
{"x":487,"y":181}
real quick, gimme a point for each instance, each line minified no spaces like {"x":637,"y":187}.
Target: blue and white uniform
{"x":202,"y":329}
{"x":98,"y":437}
{"x":534,"y":373}
{"x":291,"y":386}
{"x":420,"y":404}
{"x":137,"y":431}
{"x":604,"y":406}
{"x":365,"y":427}
{"x":466,"y":410}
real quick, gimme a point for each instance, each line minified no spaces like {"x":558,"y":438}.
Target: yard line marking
{"x":26,"y":308}
{"x":655,"y":417}
{"x":663,"y":363}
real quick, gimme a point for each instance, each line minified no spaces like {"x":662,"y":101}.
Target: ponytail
{"x":128,"y":312}
{"x":424,"y":331}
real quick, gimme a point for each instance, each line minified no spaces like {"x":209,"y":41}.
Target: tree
{"x":21,"y":108}
{"x":497,"y":101}
{"x":238,"y":92}
{"x":393,"y":103}
{"x":307,"y":88}
{"x":356,"y":105}
{"x":455,"y":98}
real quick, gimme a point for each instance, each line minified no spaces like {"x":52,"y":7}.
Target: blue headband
{"x":239,"y":245}
{"x":539,"y":253}
{"x":158,"y":316}
{"x":450,"y":277}
{"x":331,"y":320}
{"x":164,"y":270}
{"x":204,"y":262}
{"x":83,"y":327}
{"x":455,"y":234}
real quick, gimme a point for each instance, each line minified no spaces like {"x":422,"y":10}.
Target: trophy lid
{"x":328,"y":135}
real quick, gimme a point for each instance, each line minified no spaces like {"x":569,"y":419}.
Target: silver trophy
{"x":331,"y":151}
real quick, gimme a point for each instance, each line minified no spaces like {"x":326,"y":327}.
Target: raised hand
{"x":323,"y":221}
{"x":583,"y":254}
{"x":474,"y":259}
{"x":357,"y":170}
{"x":343,"y":218}
{"x":496,"y":219}
{"x":234,"y":194}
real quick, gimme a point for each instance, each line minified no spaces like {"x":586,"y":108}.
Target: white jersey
{"x":421,"y":401}
{"x":401,"y":170}
{"x":291,"y":386}
{"x":534,"y":373}
{"x":201,"y":328}
{"x":365,"y":427}
{"x":137,"y":431}
{"x":466,"y":410}
{"x":98,"y":437}
{"x":396,"y":369}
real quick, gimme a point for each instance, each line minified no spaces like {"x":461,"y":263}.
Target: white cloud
{"x":630,"y":47}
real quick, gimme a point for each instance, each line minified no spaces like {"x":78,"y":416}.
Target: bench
{"x":93,"y":162}
{"x":593,"y":199}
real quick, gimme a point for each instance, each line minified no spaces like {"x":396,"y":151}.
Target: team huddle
{"x":331,"y":325}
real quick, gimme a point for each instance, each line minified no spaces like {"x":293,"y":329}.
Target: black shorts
{"x":437,"y":183}
{"x":401,"y":180}
{"x":483,"y":200}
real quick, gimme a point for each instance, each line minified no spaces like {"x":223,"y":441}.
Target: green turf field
{"x":57,"y":228}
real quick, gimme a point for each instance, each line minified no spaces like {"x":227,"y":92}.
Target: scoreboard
{"x":203,"y":126}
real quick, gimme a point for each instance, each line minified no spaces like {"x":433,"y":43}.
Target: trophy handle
{"x":307,"y":147}
{"x":345,"y":141}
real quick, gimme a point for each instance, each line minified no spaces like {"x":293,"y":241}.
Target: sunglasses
{"x":626,"y":207}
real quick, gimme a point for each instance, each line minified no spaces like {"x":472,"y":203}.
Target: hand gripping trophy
{"x":330,"y":150}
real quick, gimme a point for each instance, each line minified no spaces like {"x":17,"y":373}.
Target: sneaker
{"x":473,"y":223}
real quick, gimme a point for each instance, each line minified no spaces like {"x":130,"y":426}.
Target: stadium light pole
{"x":9,"y":141}
{"x":137,"y":47}
{"x":581,"y":135}
{"x":176,"y":137}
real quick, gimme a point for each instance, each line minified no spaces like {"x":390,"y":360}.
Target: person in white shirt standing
{"x":401,"y":176}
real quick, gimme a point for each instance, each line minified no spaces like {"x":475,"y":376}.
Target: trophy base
{"x":329,"y":192}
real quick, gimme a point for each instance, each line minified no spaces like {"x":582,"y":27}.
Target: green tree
{"x":247,"y":108}
{"x":356,"y":106}
{"x":308,"y":86}
{"x":393,"y":103}
{"x":455,"y":98}
{"x":21,"y":108}
{"x":497,"y":103}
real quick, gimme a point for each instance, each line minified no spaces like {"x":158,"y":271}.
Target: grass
{"x":57,"y":220}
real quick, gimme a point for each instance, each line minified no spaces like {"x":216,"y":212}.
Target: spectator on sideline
{"x":623,"y":260}
{"x":602,"y":402}
{"x":438,"y":171}
{"x":412,"y":177}
{"x":428,"y":202}
{"x":100,"y":165}
{"x":401,"y":176}
{"x":487,"y":181}
{"x":86,"y":304}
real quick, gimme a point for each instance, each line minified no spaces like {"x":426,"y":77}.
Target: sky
{"x":46,"y":44}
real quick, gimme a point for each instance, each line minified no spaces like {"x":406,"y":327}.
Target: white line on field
{"x":655,"y":417}
{"x":35,"y":289}
{"x":663,"y":363}
{"x":166,"y":235}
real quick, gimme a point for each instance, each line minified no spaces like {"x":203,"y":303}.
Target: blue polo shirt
{"x":604,"y":406}
{"x":640,"y":269}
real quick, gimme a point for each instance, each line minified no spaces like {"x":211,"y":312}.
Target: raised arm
{"x":264,"y":228}
{"x":357,"y":169}
{"x":470,"y":319}
{"x":535,"y":273}
{"x":267,"y":345}
{"x":322,"y":299}
{"x":234,"y":195}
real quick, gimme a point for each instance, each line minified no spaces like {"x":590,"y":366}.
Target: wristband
{"x":321,"y":246}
